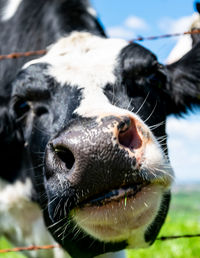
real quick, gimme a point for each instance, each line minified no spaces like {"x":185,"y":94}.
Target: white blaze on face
{"x":87,"y":62}
{"x":10,"y":9}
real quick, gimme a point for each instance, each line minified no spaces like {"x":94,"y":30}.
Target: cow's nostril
{"x":128,"y":135}
{"x":66,"y":156}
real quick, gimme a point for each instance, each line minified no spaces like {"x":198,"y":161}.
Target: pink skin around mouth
{"x":117,"y":220}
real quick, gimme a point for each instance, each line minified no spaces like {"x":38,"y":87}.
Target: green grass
{"x":5,"y":244}
{"x":183,"y":218}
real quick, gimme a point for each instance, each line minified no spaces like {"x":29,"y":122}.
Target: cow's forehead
{"x":87,"y":62}
{"x":82,"y":59}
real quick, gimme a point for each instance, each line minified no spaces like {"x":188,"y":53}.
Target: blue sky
{"x":130,"y":18}
{"x":155,"y":13}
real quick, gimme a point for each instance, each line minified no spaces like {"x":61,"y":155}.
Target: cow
{"x":82,"y":131}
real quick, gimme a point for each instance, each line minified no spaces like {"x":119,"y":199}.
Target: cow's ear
{"x":11,"y":145}
{"x":183,"y":82}
{"x":197,"y":5}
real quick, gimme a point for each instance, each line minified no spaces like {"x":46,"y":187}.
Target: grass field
{"x":183,"y":218}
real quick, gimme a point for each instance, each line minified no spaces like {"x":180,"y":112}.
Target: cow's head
{"x":92,"y":114}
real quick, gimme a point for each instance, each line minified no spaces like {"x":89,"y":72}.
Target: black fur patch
{"x":153,"y":230}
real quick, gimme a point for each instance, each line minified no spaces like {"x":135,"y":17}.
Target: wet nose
{"x":95,"y":153}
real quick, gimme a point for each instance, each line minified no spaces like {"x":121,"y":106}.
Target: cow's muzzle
{"x":109,"y":162}
{"x":99,"y":155}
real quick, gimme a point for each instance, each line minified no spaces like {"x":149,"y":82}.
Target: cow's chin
{"x":122,"y":214}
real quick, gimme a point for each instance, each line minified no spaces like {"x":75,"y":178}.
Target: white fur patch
{"x":181,"y":48}
{"x":10,"y":9}
{"x":184,"y":44}
{"x":92,"y":11}
{"x":21,"y":219}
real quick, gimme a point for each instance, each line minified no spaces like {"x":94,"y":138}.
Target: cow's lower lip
{"x":114,"y":196}
{"x":120,"y":214}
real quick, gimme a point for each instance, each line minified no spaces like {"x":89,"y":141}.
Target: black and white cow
{"x":82,"y":131}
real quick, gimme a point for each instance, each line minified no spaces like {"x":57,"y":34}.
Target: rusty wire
{"x":140,"y":38}
{"x":29,"y":248}
{"x":23,"y":54}
{"x":48,"y":247}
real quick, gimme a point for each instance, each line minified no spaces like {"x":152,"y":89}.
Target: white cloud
{"x":134,"y":22}
{"x":184,"y":128}
{"x":175,"y":143}
{"x":120,"y":32}
{"x":185,"y":160}
{"x":127,"y":30}
{"x":182,"y":24}
{"x":184,"y":151}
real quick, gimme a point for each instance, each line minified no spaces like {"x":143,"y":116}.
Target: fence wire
{"x":140,"y":38}
{"x":23,"y":54}
{"x":48,"y":247}
{"x":29,"y":248}
{"x":192,"y":32}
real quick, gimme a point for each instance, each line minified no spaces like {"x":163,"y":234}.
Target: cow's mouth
{"x":120,"y":214}
{"x":115,"y":195}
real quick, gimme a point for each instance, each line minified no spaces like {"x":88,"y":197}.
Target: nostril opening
{"x":128,"y":135}
{"x":41,"y":110}
{"x":66,"y":156}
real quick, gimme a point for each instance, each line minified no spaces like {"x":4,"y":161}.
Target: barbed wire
{"x":48,"y":247}
{"x":140,"y":38}
{"x":178,"y":34}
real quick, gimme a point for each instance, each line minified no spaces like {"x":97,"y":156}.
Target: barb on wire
{"x":43,"y":51}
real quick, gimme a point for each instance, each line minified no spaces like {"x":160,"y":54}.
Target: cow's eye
{"x":152,"y":78}
{"x":21,"y":107}
{"x":156,"y":79}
